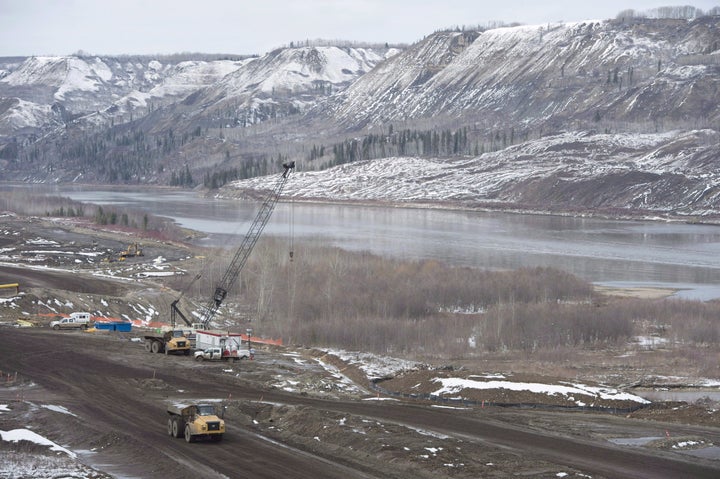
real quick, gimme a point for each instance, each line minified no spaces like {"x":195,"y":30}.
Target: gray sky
{"x":61,"y":27}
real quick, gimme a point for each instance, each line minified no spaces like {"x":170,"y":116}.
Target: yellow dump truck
{"x":168,"y":342}
{"x":195,"y":421}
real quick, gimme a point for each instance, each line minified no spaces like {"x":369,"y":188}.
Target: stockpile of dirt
{"x":701,"y":413}
{"x":505,"y":389}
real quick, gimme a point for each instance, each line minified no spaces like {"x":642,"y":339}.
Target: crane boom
{"x":242,"y":253}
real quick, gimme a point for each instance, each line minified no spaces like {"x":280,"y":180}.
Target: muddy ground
{"x":303,"y":411}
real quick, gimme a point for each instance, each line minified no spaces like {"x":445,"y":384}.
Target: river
{"x":614,"y":253}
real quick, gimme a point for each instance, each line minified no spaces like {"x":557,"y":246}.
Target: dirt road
{"x":117,"y":392}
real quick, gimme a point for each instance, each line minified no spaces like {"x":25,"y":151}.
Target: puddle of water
{"x":633,"y":441}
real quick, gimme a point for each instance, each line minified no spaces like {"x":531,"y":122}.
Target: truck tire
{"x":170,"y":427}
{"x":199,"y":357}
{"x":156,"y":347}
{"x":177,"y":426}
{"x":188,"y":434}
{"x":56,"y":327}
{"x":148,"y":345}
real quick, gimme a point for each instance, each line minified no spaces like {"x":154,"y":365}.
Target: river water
{"x":615,"y":253}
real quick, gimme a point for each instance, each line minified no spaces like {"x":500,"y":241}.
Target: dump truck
{"x":169,"y":342}
{"x":195,"y":422}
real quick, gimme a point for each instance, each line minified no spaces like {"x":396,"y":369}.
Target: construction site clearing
{"x":53,"y":268}
{"x":56,"y":267}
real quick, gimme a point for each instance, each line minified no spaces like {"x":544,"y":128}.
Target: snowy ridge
{"x":556,"y":163}
{"x":83,"y":86}
{"x":528,"y":75}
{"x":284,"y":81}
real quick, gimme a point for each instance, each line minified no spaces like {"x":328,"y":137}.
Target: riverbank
{"x":639,"y":292}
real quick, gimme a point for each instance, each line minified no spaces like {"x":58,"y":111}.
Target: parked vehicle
{"x":74,"y":321}
{"x":220,"y":354}
{"x":195,"y":421}
{"x":169,"y":342}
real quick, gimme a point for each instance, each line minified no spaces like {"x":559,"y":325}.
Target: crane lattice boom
{"x":242,"y":253}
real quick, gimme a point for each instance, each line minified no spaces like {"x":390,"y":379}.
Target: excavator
{"x":133,"y":249}
{"x":239,"y":259}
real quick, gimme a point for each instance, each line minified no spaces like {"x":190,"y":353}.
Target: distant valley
{"x":616,"y":117}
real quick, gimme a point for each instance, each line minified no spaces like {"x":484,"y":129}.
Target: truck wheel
{"x":155,"y":347}
{"x":148,"y":345}
{"x":188,"y":435}
{"x":199,"y":358}
{"x":177,"y":427}
{"x":170,"y":427}
{"x":56,"y":327}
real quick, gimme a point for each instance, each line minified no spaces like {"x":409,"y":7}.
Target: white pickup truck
{"x":74,"y":321}
{"x":220,"y":354}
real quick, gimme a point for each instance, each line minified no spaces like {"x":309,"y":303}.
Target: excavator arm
{"x":243,"y":252}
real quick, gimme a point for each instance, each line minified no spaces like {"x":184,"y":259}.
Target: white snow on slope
{"x":457,"y":385}
{"x":16,"y":435}
{"x":578,"y":155}
{"x":25,"y":114}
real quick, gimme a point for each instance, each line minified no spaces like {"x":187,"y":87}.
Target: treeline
{"x":28,"y":203}
{"x":249,"y":168}
{"x":359,"y":301}
{"x":320,"y":42}
{"x":684,"y":12}
{"x":172,"y":58}
{"x":403,"y":143}
{"x":119,"y":154}
{"x":412,"y":142}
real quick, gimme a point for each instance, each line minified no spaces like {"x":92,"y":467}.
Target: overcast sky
{"x":62,"y":27}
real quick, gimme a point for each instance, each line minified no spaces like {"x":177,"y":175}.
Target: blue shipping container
{"x":124,"y":327}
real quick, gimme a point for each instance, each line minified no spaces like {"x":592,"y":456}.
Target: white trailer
{"x":231,"y":344}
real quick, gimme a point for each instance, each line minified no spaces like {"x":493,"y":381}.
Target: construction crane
{"x":240,"y":257}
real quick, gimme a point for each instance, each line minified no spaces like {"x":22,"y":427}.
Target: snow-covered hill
{"x":285,"y":81}
{"x":42,"y":92}
{"x":606,"y":114}
{"x":673,"y":174}
{"x":548,"y":77}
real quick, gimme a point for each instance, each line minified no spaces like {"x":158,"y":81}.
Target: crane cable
{"x":291,"y":226}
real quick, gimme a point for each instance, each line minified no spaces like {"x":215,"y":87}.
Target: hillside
{"x":596,"y":115}
{"x":673,"y":175}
